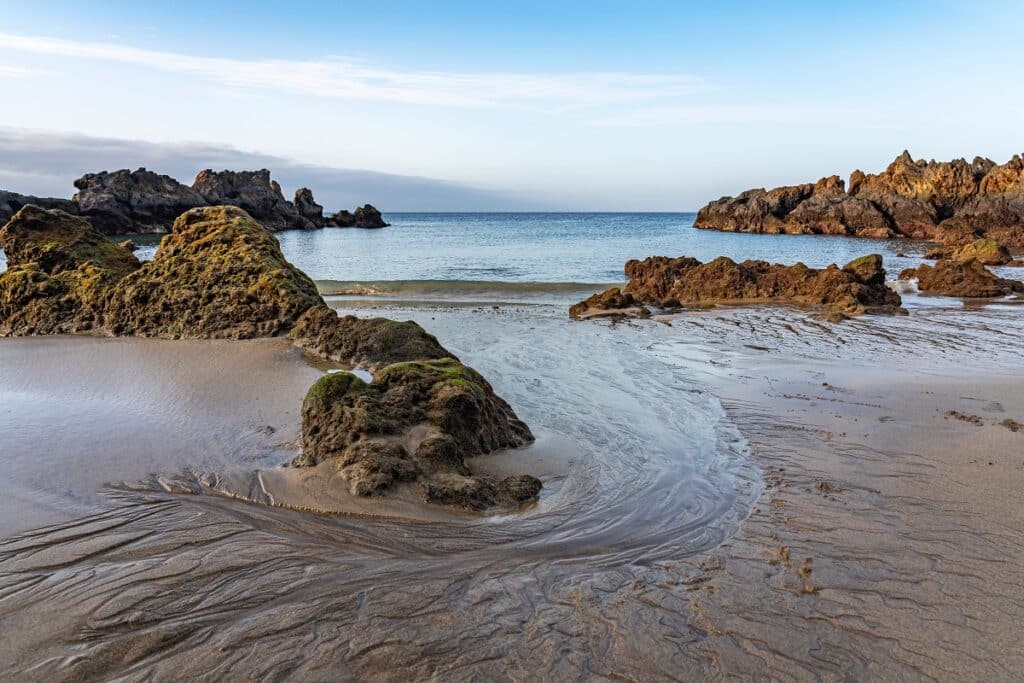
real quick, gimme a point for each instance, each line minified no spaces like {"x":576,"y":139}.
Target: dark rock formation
{"x":366,"y":216}
{"x":220,"y":274}
{"x":858,"y":288}
{"x":612,"y":303}
{"x":59,"y":273}
{"x":124,"y":202}
{"x":254,"y":192}
{"x":12,"y":202}
{"x":417,"y":420}
{"x":952,"y":202}
{"x":308,"y":208}
{"x":967,"y":278}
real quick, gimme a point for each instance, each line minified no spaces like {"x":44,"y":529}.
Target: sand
{"x":730,"y":493}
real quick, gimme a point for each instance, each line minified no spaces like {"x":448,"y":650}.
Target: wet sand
{"x":735,"y":493}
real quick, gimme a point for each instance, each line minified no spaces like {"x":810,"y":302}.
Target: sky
{"x":595,"y":106}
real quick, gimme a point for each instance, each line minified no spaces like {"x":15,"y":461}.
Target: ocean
{"x":543,"y":247}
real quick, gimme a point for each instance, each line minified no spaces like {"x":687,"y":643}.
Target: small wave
{"x":462,"y":289}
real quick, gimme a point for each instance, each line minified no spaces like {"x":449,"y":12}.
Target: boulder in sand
{"x":968,"y":278}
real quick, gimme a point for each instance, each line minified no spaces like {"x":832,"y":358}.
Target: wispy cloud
{"x":7,"y":71}
{"x":351,"y":79}
{"x":47,"y":162}
{"x":682,"y":115}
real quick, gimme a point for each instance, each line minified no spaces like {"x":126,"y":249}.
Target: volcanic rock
{"x":968,"y":278}
{"x":124,"y":202}
{"x":11,"y":203}
{"x":952,"y":202}
{"x":254,"y":192}
{"x":366,"y":216}
{"x":858,"y":288}
{"x":308,"y":208}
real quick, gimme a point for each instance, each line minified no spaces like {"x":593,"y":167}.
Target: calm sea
{"x":544,"y":247}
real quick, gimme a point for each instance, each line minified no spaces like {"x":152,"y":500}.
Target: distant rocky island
{"x":141,"y":201}
{"x":952,"y":202}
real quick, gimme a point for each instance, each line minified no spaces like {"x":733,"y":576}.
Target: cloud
{"x":46,"y":164}
{"x":350,"y":79}
{"x":683,"y":115}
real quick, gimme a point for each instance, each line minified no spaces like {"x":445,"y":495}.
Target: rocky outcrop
{"x":124,"y":202}
{"x":254,"y":192}
{"x":416,"y":420}
{"x":127,"y":202}
{"x":12,"y":202}
{"x":612,"y":303}
{"x":967,"y":278}
{"x":857,"y":288}
{"x":366,"y":216}
{"x":59,"y":273}
{"x":308,"y":208}
{"x":988,"y":252}
{"x":952,"y":202}
{"x":369,"y":342}
{"x":220,"y":274}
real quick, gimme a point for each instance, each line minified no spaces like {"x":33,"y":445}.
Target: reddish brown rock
{"x":952,"y":202}
{"x":857,"y":288}
{"x":611,"y":303}
{"x":960,"y":278}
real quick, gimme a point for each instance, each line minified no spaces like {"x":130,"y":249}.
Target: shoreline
{"x":911,"y":545}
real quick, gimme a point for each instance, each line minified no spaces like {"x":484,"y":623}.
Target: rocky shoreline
{"x":132,"y":202}
{"x":857,"y":288}
{"x":219,"y":274}
{"x":952,"y":202}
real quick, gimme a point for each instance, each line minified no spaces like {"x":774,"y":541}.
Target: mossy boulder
{"x":60,"y":273}
{"x":373,"y":342}
{"x":218,"y":274}
{"x":988,"y":252}
{"x":417,"y":420}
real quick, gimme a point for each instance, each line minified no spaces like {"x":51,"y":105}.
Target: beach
{"x":741,"y":491}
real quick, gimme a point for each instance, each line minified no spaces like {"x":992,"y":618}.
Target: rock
{"x":60,"y":271}
{"x":366,"y":216}
{"x":254,"y":192}
{"x":124,"y":202}
{"x":129,"y":246}
{"x":441,"y":410}
{"x":967,"y":278}
{"x":952,"y":202}
{"x":611,"y":303}
{"x":218,"y":274}
{"x":859,"y":287}
{"x":988,"y":252}
{"x":371,"y":342}
{"x":12,"y":202}
{"x":308,"y":208}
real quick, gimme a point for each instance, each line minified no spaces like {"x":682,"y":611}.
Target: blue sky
{"x":591,"y":106}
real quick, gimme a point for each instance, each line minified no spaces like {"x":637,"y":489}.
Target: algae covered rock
{"x":988,"y":252}
{"x":968,"y":278}
{"x":416,"y":420}
{"x":364,"y":341}
{"x":60,"y":273}
{"x":218,"y":274}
